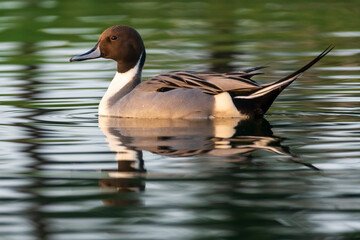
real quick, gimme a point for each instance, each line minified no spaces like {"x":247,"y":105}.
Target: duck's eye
{"x":113,"y":37}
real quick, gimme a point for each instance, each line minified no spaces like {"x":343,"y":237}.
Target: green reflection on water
{"x":55,"y":163}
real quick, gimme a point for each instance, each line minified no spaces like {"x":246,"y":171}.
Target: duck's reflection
{"x":183,"y":138}
{"x":229,"y":139}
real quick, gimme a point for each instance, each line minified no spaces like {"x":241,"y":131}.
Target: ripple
{"x":344,"y":34}
{"x":346,"y":52}
{"x":341,"y":77}
{"x":69,"y":30}
{"x":12,"y":4}
{"x":104,"y":18}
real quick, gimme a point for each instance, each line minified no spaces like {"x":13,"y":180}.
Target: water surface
{"x":65,"y":173}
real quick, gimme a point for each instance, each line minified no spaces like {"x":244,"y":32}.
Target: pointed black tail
{"x":257,"y":104}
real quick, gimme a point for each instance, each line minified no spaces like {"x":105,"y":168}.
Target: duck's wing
{"x":181,"y":80}
{"x":239,"y":83}
{"x":236,"y":83}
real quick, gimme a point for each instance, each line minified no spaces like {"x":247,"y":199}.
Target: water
{"x":65,"y":174}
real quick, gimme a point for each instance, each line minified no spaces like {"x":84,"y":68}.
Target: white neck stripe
{"x":119,"y":81}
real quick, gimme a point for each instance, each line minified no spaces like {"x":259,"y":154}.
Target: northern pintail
{"x":179,"y":94}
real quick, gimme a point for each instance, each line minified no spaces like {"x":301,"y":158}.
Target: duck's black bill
{"x":92,"y":54}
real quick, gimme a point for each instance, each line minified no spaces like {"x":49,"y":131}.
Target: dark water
{"x":65,"y":174}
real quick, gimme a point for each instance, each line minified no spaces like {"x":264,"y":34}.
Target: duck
{"x":179,"y":94}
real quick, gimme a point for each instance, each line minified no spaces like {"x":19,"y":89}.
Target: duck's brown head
{"x":120,"y":43}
